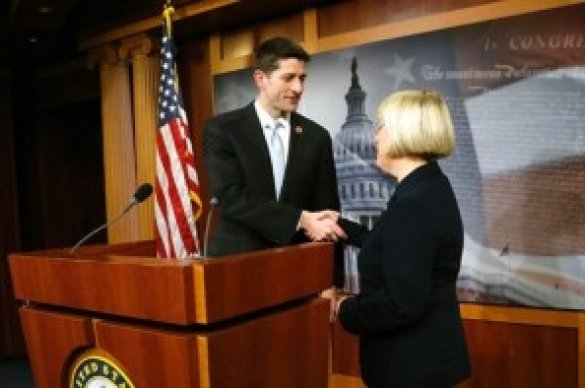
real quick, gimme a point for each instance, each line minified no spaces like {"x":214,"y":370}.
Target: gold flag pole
{"x":168,"y":12}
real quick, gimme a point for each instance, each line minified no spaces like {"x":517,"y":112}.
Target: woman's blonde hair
{"x":418,"y":124}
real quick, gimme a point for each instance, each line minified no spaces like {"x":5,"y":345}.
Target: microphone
{"x":212,"y":203}
{"x":140,"y":195}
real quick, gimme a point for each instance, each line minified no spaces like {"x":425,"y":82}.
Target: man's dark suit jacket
{"x":239,"y":173}
{"x":407,"y":315}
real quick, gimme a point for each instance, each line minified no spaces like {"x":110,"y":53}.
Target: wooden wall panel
{"x":454,"y":16}
{"x":233,"y":50}
{"x":57,"y":138}
{"x":11,"y":341}
{"x":70,"y":185}
{"x":243,"y":42}
{"x":291,"y":26}
{"x":237,"y":44}
{"x":509,"y":347}
{"x":68,"y":83}
{"x":354,"y":15}
{"x":519,"y":355}
{"x":354,"y":22}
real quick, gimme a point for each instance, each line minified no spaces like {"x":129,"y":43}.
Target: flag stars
{"x":169,"y":103}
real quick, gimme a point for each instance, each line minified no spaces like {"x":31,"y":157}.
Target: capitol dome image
{"x":363,"y":190}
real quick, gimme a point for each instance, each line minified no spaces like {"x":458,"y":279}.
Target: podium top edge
{"x":143,"y":252}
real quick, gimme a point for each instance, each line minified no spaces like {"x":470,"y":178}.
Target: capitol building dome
{"x":363,"y":189}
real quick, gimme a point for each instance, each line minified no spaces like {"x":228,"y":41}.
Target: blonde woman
{"x":407,"y":315}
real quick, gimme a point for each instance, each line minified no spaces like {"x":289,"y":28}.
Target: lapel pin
{"x":298,"y":130}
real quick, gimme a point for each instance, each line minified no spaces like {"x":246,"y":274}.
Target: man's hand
{"x":321,"y":226}
{"x":328,"y":214}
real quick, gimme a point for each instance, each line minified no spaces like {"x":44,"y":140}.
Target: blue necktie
{"x":277,"y":157}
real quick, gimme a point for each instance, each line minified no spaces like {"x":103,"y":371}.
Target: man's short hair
{"x":272,"y":50}
{"x":418,"y":124}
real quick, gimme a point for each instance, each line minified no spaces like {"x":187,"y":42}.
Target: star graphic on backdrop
{"x":401,"y":70}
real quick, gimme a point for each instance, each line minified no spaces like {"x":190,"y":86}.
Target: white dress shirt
{"x":268,"y":123}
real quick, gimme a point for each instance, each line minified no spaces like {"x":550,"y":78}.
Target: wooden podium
{"x":116,"y":313}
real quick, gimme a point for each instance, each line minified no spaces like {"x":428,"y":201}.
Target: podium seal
{"x":96,"y":369}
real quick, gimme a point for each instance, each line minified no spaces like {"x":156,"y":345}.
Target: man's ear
{"x":259,"y":77}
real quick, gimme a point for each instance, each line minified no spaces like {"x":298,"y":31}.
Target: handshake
{"x":322,"y":225}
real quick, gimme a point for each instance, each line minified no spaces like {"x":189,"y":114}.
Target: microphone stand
{"x":100,"y":228}
{"x":212,"y":202}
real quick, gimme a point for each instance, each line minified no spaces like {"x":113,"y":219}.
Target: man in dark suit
{"x":270,"y":167}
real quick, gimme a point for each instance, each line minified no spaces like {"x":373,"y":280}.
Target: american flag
{"x":177,"y":199}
